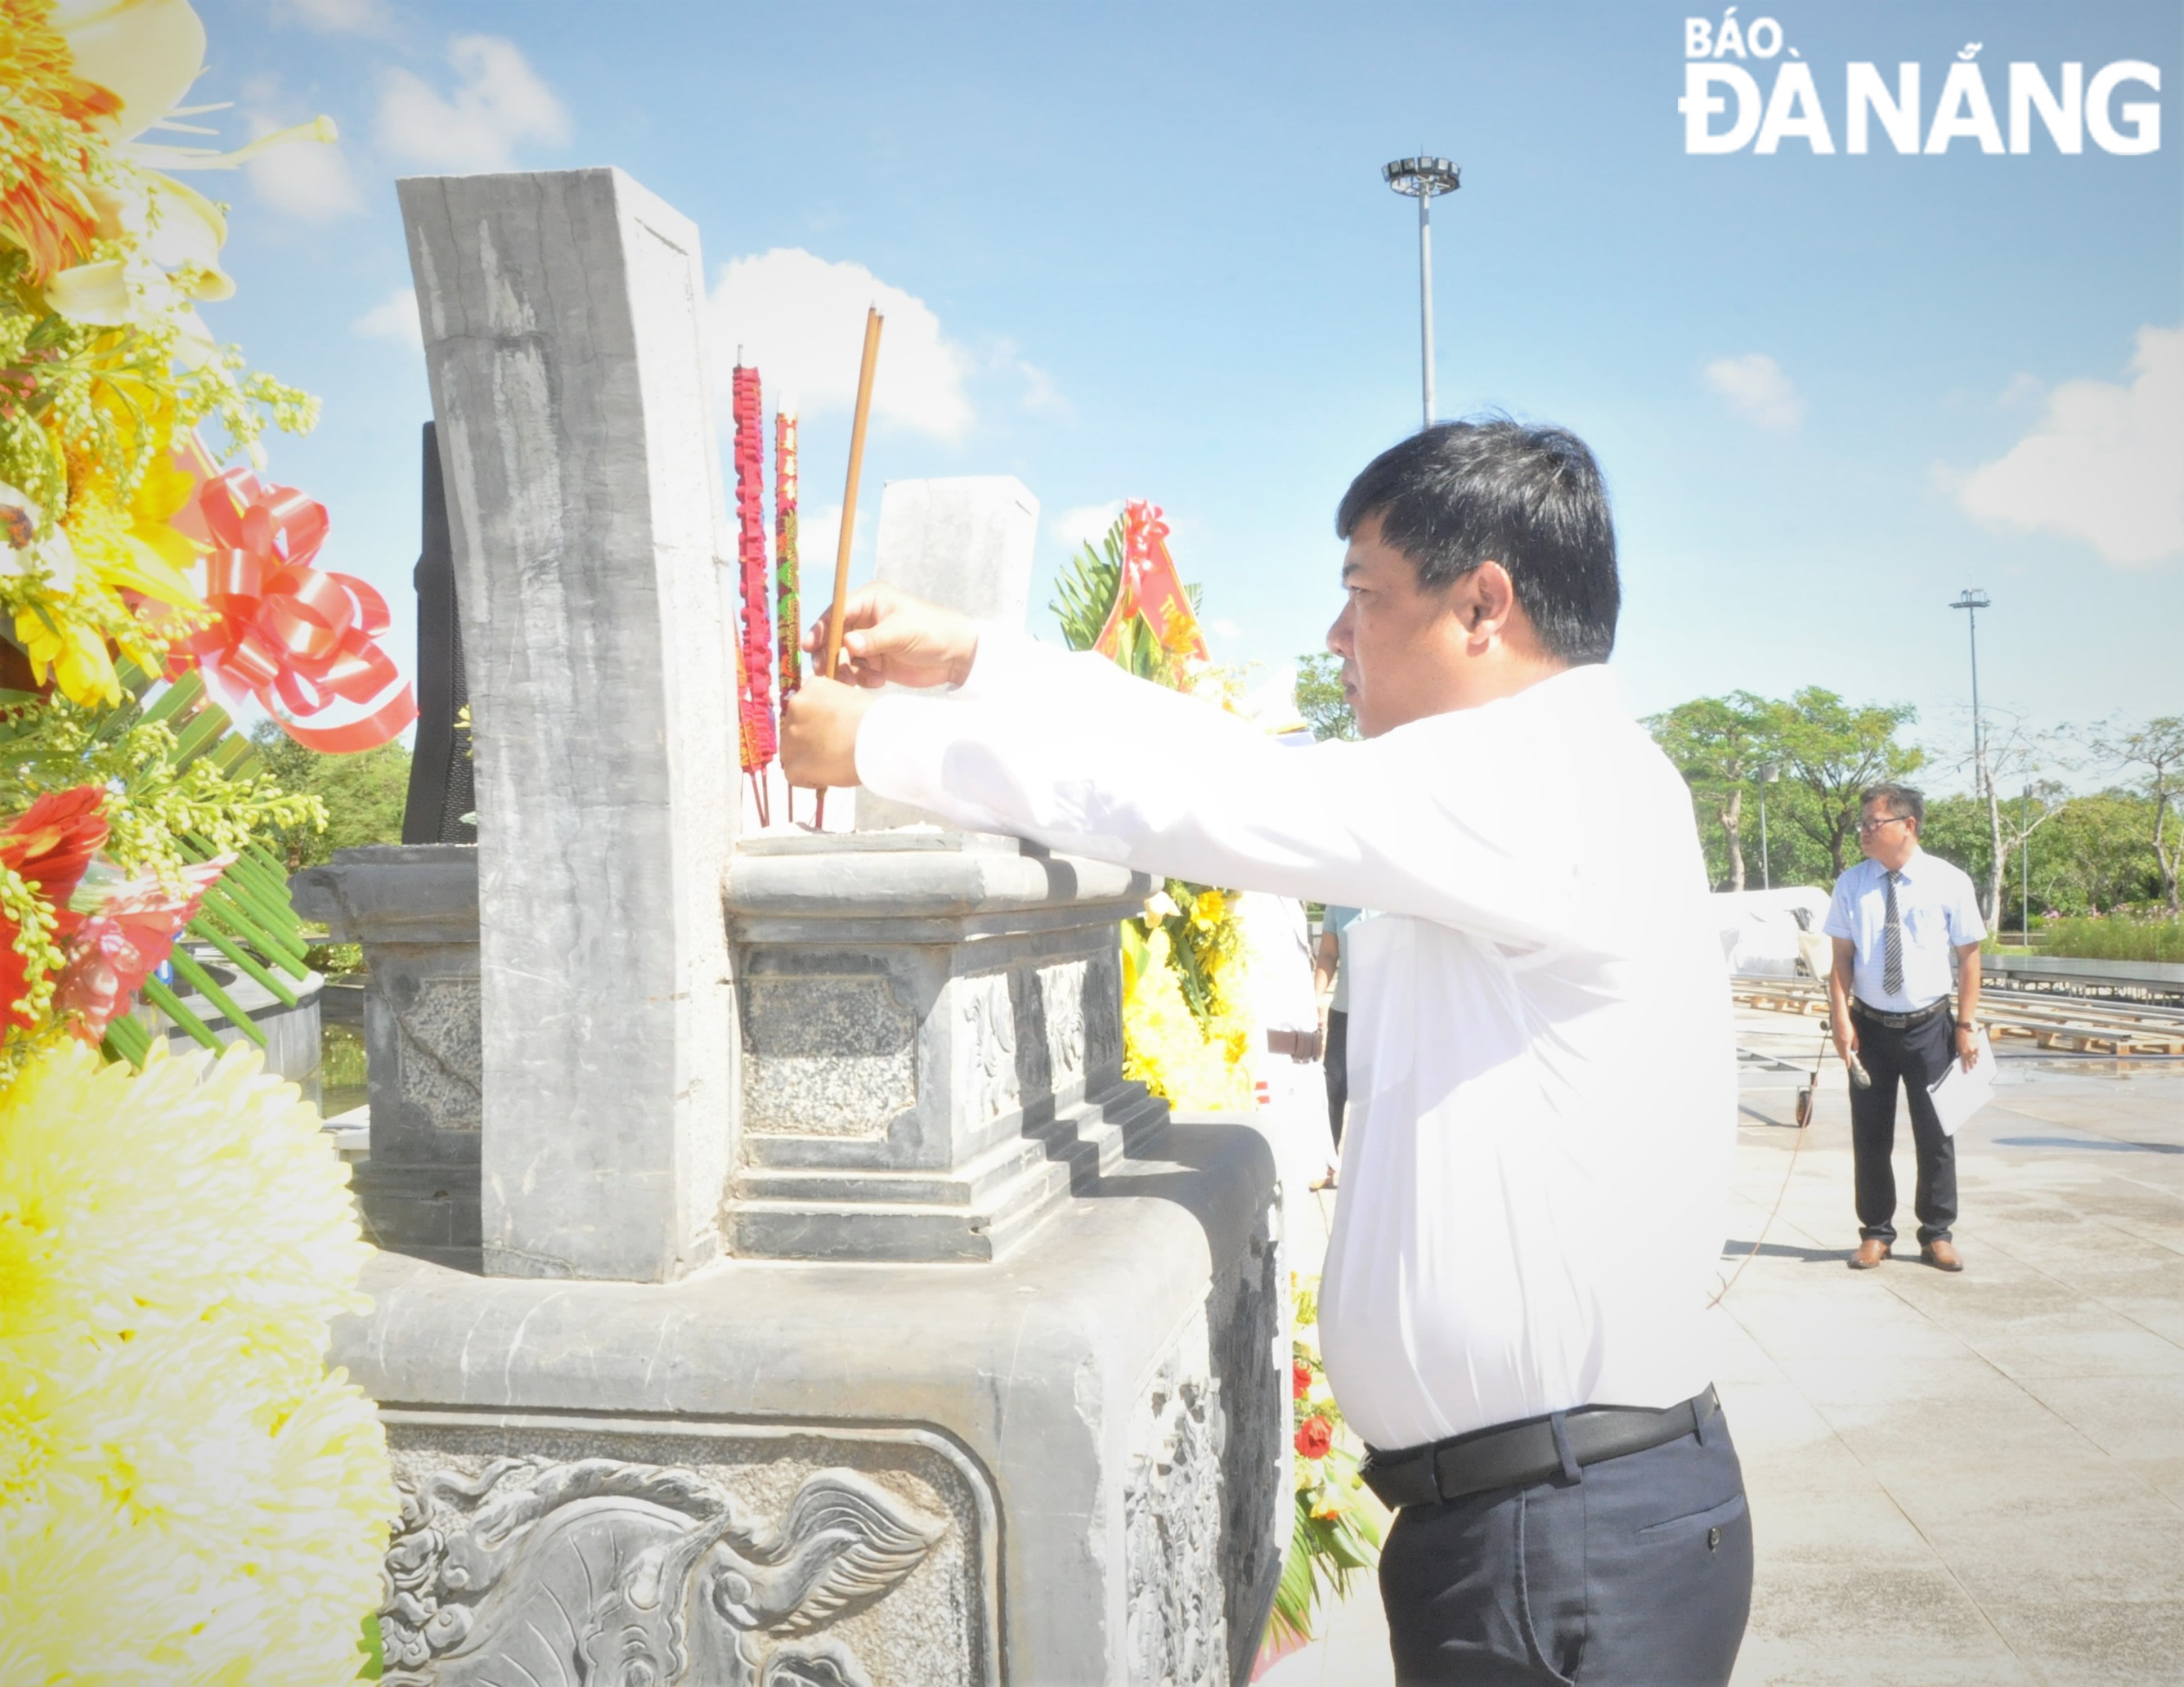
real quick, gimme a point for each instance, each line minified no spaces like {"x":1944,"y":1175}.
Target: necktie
{"x":1891,"y":946}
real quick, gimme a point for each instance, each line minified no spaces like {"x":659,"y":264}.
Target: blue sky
{"x":1143,"y":251}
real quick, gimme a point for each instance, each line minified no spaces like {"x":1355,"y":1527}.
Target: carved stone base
{"x":563,"y":1551}
{"x":1066,"y":1466}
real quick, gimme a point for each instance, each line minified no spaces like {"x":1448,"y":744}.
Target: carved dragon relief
{"x":599,"y":1574}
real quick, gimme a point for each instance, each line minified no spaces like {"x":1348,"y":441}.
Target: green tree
{"x":1719,"y":744}
{"x":1832,"y":751}
{"x":1319,"y":697}
{"x":2154,"y":754}
{"x":364,"y":793}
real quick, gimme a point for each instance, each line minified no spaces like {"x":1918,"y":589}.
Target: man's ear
{"x":1488,"y":599}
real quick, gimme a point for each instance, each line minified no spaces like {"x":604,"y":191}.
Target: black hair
{"x":1460,"y":493}
{"x":1905,"y":802}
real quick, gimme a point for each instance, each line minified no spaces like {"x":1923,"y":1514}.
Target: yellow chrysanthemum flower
{"x":186,"y":1495}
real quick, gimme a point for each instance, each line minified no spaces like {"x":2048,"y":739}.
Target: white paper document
{"x":1958,"y":1093}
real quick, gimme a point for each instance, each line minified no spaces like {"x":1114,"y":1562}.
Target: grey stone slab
{"x":1085,"y":1443}
{"x":965,"y":543}
{"x":413,"y":909}
{"x":563,"y":339}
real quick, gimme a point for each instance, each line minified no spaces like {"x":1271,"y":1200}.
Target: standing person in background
{"x":1284,"y":1058}
{"x":1904,"y":923}
{"x":1330,"y":977}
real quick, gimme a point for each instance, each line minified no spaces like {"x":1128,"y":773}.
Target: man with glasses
{"x":1542,"y":1105}
{"x":1903,"y":923}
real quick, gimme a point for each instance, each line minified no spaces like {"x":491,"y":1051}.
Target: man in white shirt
{"x":1543,"y":1090}
{"x":1904,"y":924}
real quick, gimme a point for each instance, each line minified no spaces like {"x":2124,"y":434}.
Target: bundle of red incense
{"x":755,"y":699}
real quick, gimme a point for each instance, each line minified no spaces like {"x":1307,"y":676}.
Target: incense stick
{"x":872,"y":321}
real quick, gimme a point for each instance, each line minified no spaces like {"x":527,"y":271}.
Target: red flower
{"x":1299,"y":1379}
{"x":1314,"y":1437}
{"x":52,"y":842}
{"x":48,"y":846}
{"x":116,"y":948}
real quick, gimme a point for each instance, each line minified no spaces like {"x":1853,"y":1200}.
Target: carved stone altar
{"x":834,"y":1311}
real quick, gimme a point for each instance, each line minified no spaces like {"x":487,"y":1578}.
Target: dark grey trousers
{"x":1914,"y":1058}
{"x":1638,"y":1573}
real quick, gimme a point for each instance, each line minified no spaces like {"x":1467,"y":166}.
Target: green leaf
{"x":156,"y":992}
{"x":186,"y":967}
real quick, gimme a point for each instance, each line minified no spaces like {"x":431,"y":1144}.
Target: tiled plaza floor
{"x":1953,"y":1478}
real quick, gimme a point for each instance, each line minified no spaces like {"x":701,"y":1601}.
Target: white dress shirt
{"x":1541,"y":1066}
{"x":1938,"y":909}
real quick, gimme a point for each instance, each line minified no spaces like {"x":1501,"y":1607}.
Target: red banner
{"x":1151,"y":588}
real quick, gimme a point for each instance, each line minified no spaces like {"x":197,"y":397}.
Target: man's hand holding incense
{"x":819,"y":733}
{"x":888,"y":637}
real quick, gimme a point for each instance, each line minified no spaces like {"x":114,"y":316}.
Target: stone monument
{"x":840,"y":1314}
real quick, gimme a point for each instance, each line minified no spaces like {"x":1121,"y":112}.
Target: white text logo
{"x":1725,"y":110}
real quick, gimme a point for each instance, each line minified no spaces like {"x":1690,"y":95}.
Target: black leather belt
{"x":1520,"y":1455}
{"x":1899,"y":1022}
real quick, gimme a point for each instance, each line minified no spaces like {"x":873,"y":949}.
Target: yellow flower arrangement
{"x":186,"y":1495}
{"x":105,"y":366}
{"x":1164,"y":1045}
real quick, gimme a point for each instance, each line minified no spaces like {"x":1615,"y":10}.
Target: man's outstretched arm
{"x":1072,"y":753}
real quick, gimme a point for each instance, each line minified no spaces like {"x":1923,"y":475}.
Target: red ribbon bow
{"x":296,"y":637}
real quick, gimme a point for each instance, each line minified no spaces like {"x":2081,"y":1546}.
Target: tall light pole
{"x":2025,"y":857}
{"x":1973,"y":600}
{"x":1768,"y":776}
{"x":1420,"y":179}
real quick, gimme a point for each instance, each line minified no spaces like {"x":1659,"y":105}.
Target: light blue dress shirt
{"x":1339,"y":920}
{"x":1939,"y":911}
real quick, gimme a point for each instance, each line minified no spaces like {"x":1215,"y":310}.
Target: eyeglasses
{"x":1873,"y":825}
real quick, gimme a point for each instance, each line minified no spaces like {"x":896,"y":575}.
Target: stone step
{"x":970,"y":1184}
{"x":970,"y":1216}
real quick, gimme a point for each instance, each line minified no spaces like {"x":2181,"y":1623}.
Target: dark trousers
{"x":1335,"y":1058}
{"x":1637,"y":1573}
{"x":1913,"y":1058}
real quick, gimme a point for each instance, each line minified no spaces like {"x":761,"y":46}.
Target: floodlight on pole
{"x":1420,"y":179}
{"x":1973,"y":600}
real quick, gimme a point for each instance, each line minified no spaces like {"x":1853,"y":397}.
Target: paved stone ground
{"x":1953,"y":1478}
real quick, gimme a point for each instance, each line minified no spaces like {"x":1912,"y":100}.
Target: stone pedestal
{"x":415,"y":909}
{"x":932,"y":1042}
{"x":1079,"y":1451}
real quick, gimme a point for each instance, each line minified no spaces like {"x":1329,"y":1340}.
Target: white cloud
{"x":801,"y":320}
{"x":1041,"y":395}
{"x":499,"y":102}
{"x":2104,"y":465}
{"x":1222,"y":627}
{"x":307,"y":179}
{"x":1085,"y":524}
{"x":333,"y":17}
{"x":1757,"y":390}
{"x":393,"y":318}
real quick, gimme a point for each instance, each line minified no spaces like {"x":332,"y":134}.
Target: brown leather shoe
{"x":1870,"y":1253}
{"x":1942,"y":1256}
